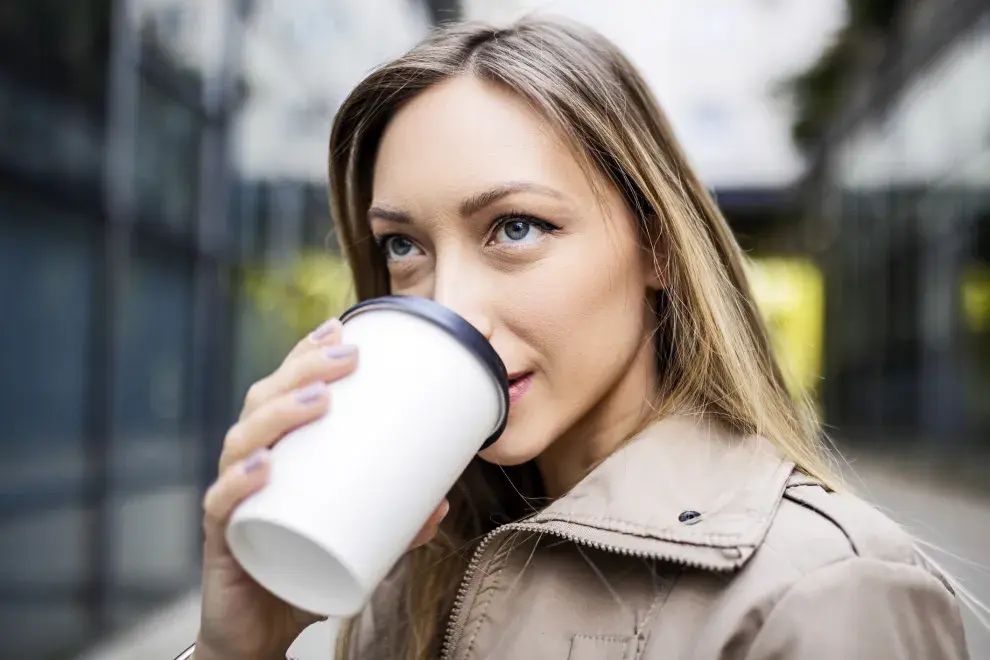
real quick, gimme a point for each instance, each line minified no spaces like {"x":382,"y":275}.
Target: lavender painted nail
{"x":311,"y":392}
{"x":325,"y":329}
{"x":255,"y":460}
{"x":340,"y":352}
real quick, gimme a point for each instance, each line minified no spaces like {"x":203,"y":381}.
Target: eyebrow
{"x":390,"y":214}
{"x":477,"y":202}
{"x":474,"y":203}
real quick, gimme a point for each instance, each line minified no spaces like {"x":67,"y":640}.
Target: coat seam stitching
{"x":643,"y":633}
{"x":603,"y":638}
{"x":708,"y":540}
{"x":671,"y":533}
{"x":654,"y":611}
{"x":609,"y":639}
{"x":643,"y":628}
{"x":807,"y":504}
{"x":490,"y":596}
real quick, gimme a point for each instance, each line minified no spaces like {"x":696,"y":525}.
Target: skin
{"x":480,"y":206}
{"x":567,"y":305}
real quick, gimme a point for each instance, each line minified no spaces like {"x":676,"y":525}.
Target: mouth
{"x":519,"y":382}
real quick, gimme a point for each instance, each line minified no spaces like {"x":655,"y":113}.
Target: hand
{"x":240,"y":619}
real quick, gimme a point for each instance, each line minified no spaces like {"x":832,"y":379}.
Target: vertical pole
{"x":121,"y":117}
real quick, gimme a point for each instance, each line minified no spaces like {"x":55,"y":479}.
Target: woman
{"x":657,"y":493}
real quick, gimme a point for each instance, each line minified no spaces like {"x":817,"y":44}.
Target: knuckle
{"x":291,"y":375}
{"x":269,"y":422}
{"x":234,"y":437}
{"x":293,"y":372}
{"x":307,"y":369}
{"x":255,"y":394}
{"x":304,"y":345}
{"x":233,"y":445}
{"x":310,"y":362}
{"x":283,"y":412}
{"x":224,"y":462}
{"x":210,"y":523}
{"x":210,"y":502}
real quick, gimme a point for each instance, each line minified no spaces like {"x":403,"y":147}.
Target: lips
{"x":519,"y":383}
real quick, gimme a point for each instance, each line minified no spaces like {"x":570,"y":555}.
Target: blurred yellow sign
{"x":976,"y":297}
{"x":304,"y":291}
{"x":790,"y":293}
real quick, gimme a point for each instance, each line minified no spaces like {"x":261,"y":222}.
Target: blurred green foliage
{"x":301,"y":292}
{"x":819,"y":91}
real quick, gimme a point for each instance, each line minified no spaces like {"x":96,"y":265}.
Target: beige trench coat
{"x":692,"y":544}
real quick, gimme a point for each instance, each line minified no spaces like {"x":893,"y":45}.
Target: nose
{"x":455,"y":289}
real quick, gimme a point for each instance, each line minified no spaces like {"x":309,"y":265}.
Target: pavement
{"x":953,"y":523}
{"x":168,"y":633}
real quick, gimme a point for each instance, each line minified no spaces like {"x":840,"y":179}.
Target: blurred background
{"x":164,"y":238}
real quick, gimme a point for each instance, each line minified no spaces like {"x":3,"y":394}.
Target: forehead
{"x":464,"y":134}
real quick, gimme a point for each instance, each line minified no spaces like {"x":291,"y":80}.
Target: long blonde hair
{"x":711,"y":341}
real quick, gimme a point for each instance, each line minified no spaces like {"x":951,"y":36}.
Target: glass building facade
{"x":906,"y":219}
{"x":157,"y":156}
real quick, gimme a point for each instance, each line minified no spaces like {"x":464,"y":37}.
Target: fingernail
{"x":255,"y":460}
{"x":340,"y":351}
{"x":444,"y":509}
{"x":325,"y":329}
{"x":311,"y":392}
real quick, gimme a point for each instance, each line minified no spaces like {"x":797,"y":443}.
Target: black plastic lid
{"x":460,"y":329}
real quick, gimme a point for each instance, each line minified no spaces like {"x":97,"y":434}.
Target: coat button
{"x":689,"y":517}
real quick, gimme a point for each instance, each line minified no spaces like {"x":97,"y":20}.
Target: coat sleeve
{"x":863,"y":608}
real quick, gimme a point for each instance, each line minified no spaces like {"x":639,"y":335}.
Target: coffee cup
{"x":349,"y":491}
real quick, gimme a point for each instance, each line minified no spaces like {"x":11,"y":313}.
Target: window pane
{"x":152,"y":413}
{"x":58,"y":45}
{"x":183,"y":36}
{"x":153,"y":506}
{"x":167,"y":153}
{"x":46,"y":268}
{"x":46,"y":279}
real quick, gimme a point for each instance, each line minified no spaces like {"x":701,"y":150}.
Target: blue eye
{"x":519,"y":231}
{"x":397,"y":248}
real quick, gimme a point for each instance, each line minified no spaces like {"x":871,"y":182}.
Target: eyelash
{"x":513,"y":216}
{"x":501,"y":220}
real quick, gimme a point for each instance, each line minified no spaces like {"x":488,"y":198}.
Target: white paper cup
{"x":349,"y":492}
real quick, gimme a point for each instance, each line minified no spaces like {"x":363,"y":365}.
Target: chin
{"x":519,"y":444}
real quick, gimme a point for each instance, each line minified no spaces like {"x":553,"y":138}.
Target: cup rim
{"x":459,"y":329}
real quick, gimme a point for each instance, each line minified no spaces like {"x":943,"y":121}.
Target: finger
{"x":232,"y":488}
{"x":326,"y":334}
{"x":432,"y":526}
{"x":424,"y":536}
{"x":327,"y":365}
{"x":440,"y":512}
{"x":266,"y":425}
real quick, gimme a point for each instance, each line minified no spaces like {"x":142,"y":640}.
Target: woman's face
{"x":480,"y":206}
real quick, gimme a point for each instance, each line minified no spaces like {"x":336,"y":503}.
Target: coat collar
{"x":684,"y":490}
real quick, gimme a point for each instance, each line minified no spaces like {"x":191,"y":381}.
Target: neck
{"x":613,"y":420}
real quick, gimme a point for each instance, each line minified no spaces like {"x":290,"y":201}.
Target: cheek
{"x":582,"y":310}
